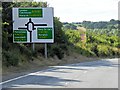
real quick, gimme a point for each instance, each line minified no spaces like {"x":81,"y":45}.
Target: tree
{"x":73,"y":27}
{"x":70,"y":26}
{"x":113,"y":21}
{"x":67,"y":26}
{"x":59,"y":34}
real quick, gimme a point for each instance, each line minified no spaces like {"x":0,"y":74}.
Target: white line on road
{"x":14,"y":79}
{"x":85,"y":71}
{"x":24,"y":76}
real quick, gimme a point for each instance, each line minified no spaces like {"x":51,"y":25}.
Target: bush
{"x":10,"y":58}
{"x":24,"y":50}
{"x":56,"y":50}
{"x":40,"y":49}
{"x":59,"y":52}
{"x":14,"y":55}
{"x":94,"y":37}
{"x":63,"y":47}
{"x":73,"y":36}
{"x":115,"y":51}
{"x":5,"y":43}
{"x":103,"y":50}
{"x":83,"y":51}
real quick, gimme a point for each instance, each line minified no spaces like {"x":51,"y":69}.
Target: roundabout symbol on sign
{"x":30,"y":27}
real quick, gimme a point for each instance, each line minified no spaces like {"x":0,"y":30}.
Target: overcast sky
{"x":89,"y":10}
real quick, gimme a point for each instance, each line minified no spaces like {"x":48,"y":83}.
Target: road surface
{"x":96,"y":74}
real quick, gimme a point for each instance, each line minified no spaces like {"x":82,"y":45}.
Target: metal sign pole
{"x":33,"y":47}
{"x":45,"y":43}
{"x":46,"y":50}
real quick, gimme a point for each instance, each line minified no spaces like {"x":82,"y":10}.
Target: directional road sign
{"x":33,"y":25}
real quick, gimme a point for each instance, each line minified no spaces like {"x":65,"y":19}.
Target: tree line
{"x":112,"y":24}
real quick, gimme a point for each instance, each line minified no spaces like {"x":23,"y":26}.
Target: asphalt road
{"x":96,"y":74}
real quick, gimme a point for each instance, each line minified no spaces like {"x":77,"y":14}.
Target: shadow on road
{"x":40,"y":80}
{"x":100,"y":63}
{"x":80,"y":66}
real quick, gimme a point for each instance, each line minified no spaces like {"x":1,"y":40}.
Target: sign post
{"x":33,"y":47}
{"x":33,"y":25}
{"x":46,"y":50}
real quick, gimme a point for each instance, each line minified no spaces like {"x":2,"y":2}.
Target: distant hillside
{"x":112,"y":24}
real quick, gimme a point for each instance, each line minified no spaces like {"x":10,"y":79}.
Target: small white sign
{"x":33,"y":25}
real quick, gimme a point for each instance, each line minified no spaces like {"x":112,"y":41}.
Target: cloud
{"x":79,"y":10}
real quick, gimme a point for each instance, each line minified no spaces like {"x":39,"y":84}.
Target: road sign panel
{"x":30,"y":13}
{"x":44,"y":33}
{"x":37,"y":23}
{"x":20,"y":35}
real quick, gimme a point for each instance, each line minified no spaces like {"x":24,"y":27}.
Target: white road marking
{"x":22,"y":76}
{"x":85,"y":72}
{"x":110,"y":67}
{"x":14,"y":79}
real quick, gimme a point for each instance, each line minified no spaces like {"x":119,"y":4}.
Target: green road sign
{"x":44,"y":33}
{"x":30,"y":13}
{"x":20,"y":35}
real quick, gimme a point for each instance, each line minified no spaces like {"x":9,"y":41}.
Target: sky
{"x":80,"y":10}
